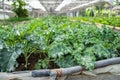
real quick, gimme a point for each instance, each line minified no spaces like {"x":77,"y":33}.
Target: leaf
{"x":101,"y":51}
{"x":42,"y":64}
{"x":1,"y":46}
{"x":65,"y":61}
{"x":8,"y":59}
{"x":88,"y":61}
{"x":58,"y":50}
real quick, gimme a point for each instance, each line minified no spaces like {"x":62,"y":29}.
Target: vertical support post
{"x":77,"y":13}
{"x":110,"y":14}
{"x":3,"y":5}
{"x":33,"y":13}
{"x":38,"y":13}
{"x":71,"y":14}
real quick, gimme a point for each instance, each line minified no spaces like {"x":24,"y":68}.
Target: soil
{"x":33,"y":59}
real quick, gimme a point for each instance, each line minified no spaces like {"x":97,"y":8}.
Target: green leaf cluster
{"x":18,"y":8}
{"x":67,"y":43}
{"x":113,"y":21}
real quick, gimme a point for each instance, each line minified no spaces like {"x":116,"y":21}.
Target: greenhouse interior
{"x":59,"y":37}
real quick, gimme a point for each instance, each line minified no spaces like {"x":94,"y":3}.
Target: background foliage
{"x":113,"y":21}
{"x":19,"y":8}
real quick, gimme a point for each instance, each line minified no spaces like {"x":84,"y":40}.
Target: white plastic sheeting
{"x":116,"y":8}
{"x":61,"y":7}
{"x":8,"y":2}
{"x":92,"y":3}
{"x":7,"y":13}
{"x":64,"y":3}
{"x":73,"y":4}
{"x":3,"y":16}
{"x":36,"y":5}
{"x":33,"y":3}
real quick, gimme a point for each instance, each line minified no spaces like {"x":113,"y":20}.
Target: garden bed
{"x":52,"y":42}
{"x":112,"y":21}
{"x":99,"y":25}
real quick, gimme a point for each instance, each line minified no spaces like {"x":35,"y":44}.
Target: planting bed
{"x":112,"y":21}
{"x":56,"y":42}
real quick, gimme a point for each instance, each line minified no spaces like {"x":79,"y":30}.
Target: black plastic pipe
{"x":66,"y":71}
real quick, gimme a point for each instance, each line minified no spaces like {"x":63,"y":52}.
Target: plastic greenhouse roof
{"x":7,"y":14}
{"x":94,"y":2}
{"x":2,"y":16}
{"x":64,"y":3}
{"x":36,"y":5}
{"x":81,"y":4}
{"x":116,"y":8}
{"x":61,"y":5}
{"x":74,"y":4}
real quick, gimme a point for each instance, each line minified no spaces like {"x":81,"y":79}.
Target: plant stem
{"x":26,"y":59}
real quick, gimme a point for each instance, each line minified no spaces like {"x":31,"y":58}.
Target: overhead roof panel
{"x":50,"y":5}
{"x":73,"y":3}
{"x":76,"y":3}
{"x":80,"y":4}
{"x":63,"y":4}
{"x":59,"y":5}
{"x":36,"y":5}
{"x":91,"y":3}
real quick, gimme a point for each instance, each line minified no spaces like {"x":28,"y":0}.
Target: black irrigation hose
{"x":103,"y":63}
{"x":66,"y":71}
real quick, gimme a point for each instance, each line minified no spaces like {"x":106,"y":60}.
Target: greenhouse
{"x":59,"y":39}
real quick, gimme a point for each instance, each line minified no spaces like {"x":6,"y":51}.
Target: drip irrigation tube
{"x":75,"y":69}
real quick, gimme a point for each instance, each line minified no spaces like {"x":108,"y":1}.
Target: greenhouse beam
{"x":93,"y":3}
{"x":64,"y":3}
